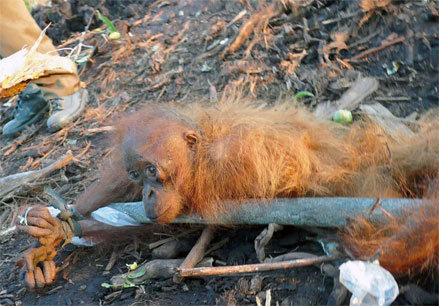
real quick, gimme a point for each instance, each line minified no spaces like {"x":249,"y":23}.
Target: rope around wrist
{"x":70,"y":228}
{"x":69,"y":224}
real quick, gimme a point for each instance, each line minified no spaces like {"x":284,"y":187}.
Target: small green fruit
{"x":114,"y":35}
{"x":342,"y":116}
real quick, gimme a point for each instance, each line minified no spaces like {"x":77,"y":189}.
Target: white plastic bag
{"x":369,"y":283}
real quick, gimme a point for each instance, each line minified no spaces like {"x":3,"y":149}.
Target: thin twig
{"x":363,"y":40}
{"x":383,"y":46}
{"x":205,"y":271}
{"x":217,"y":246}
{"x":237,"y":17}
{"x":85,"y":150}
{"x":349,"y":15}
{"x":98,"y":130}
{"x":81,"y":39}
{"x":393,"y":99}
{"x":375,"y":205}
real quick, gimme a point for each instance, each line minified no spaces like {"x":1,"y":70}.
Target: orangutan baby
{"x":193,"y":159}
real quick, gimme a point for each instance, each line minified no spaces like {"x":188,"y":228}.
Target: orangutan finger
{"x":39,"y":222}
{"x":35,"y":231}
{"x":33,"y":256}
{"x":29,"y":280}
{"x":29,"y":210}
{"x":43,"y":213}
{"x":39,"y":278}
{"x":39,"y":211}
{"x":49,"y":271}
{"x":28,"y":262}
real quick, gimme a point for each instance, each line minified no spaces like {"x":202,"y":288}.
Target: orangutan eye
{"x":134,"y":175}
{"x":151,"y":172}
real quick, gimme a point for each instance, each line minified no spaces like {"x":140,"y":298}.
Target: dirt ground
{"x":180,"y":51}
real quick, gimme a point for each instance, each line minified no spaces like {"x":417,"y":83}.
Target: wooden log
{"x":322,"y":212}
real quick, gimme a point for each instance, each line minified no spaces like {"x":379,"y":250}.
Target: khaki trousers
{"x":19,"y":29}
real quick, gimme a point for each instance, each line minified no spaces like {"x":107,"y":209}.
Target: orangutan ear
{"x":192,"y":138}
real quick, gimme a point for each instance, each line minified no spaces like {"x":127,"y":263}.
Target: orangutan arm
{"x":113,"y":186}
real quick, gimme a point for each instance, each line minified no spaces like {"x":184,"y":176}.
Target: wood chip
{"x":350,"y":100}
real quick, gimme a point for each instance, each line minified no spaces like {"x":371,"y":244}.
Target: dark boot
{"x":31,"y":105}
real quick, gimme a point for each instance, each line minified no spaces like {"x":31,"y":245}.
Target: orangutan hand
{"x":39,"y":223}
{"x":37,"y":263}
{"x":38,"y":266}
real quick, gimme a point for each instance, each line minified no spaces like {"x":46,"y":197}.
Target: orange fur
{"x":406,"y":245}
{"x":284,"y":151}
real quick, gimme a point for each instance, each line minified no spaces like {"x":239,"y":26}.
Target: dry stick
{"x":217,"y":246}
{"x":188,"y":272}
{"x":393,"y":99}
{"x":98,"y":130}
{"x":329,"y":21}
{"x":54,"y":290}
{"x":383,"y":46}
{"x":11,"y":183}
{"x":351,"y":99}
{"x":363,"y":40}
{"x":237,"y":17}
{"x":84,"y":151}
{"x":197,"y":252}
{"x":38,"y":161}
{"x":81,"y":39}
{"x":113,"y":259}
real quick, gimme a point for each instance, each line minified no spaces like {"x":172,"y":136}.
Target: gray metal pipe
{"x":323,"y":212}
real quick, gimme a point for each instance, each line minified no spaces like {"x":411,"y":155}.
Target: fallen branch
{"x":382,"y":117}
{"x":9,"y":185}
{"x":322,"y":212}
{"x":157,"y":268}
{"x":7,"y":231}
{"x":264,"y":238}
{"x":359,"y":91}
{"x":197,"y":252}
{"x":262,"y":267}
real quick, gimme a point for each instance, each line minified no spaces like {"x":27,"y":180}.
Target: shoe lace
{"x":55,"y":104}
{"x":18,"y":108}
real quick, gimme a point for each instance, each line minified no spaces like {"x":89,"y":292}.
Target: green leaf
{"x":129,"y":284}
{"x":108,"y":23}
{"x":302,"y":94}
{"x":136,"y":274}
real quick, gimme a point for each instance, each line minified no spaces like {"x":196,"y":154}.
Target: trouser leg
{"x":19,"y":29}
